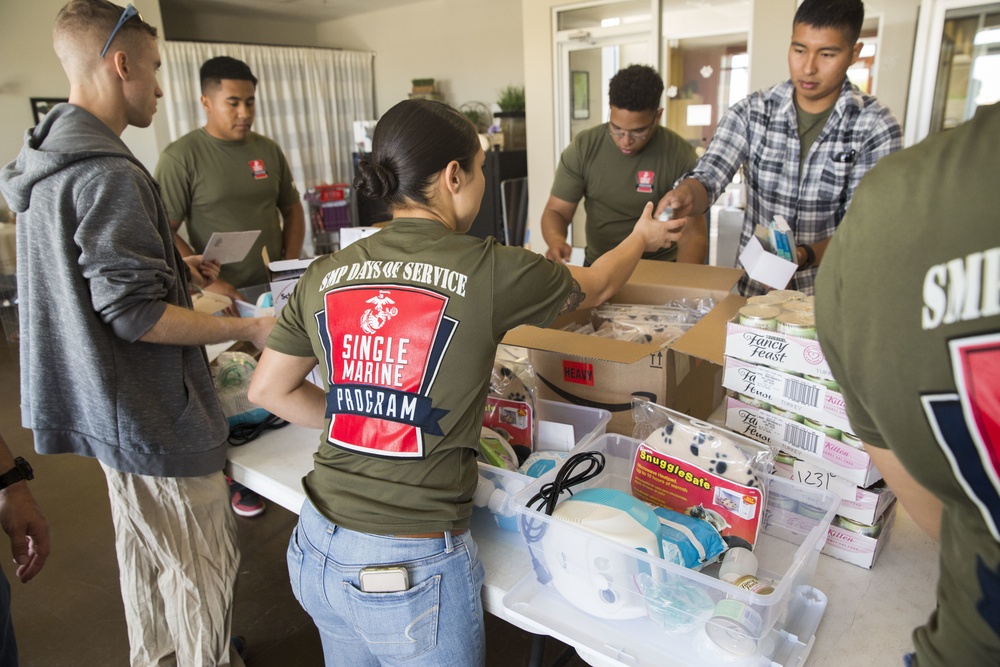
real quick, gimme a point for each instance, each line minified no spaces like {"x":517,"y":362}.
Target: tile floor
{"x":71,"y":614}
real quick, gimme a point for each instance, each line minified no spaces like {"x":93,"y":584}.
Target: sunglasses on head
{"x":127,"y":15}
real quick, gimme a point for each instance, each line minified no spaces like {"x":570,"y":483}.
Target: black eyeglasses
{"x":127,"y":15}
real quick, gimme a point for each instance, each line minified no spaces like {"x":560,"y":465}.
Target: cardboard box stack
{"x":685,"y":375}
{"x":784,"y":395}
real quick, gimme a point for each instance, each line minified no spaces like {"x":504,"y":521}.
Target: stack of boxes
{"x":784,"y":395}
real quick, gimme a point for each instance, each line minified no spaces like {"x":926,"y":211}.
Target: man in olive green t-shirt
{"x":908,"y":316}
{"x":225,"y":178}
{"x":617,"y":168}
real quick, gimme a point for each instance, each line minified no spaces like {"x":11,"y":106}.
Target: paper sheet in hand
{"x":229,"y":247}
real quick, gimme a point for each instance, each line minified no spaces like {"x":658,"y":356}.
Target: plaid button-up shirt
{"x":761,"y":132}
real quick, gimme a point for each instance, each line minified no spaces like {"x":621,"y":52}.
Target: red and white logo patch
{"x":644,"y":181}
{"x":257,"y":169}
{"x":384,"y":348}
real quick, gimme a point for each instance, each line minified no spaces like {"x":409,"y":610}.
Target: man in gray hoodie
{"x":111,"y":358}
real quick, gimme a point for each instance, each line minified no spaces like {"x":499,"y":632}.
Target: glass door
{"x":956,"y":67}
{"x":592,"y":42}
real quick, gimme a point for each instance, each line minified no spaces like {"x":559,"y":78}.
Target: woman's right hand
{"x":657,"y":234}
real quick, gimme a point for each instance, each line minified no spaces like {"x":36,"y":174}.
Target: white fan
{"x":479,"y":114}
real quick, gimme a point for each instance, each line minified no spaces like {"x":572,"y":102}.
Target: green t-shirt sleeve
{"x":175,"y":186}
{"x":569,"y":183}
{"x":528,"y":289}
{"x":290,"y":335}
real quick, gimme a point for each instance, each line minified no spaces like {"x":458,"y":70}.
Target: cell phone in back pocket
{"x":384,"y":579}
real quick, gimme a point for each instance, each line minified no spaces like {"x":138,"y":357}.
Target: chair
{"x":514,"y":208}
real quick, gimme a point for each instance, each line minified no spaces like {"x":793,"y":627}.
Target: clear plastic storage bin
{"x":637,"y":609}
{"x":587,"y":424}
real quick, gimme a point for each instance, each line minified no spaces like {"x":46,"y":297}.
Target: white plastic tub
{"x":681,"y":623}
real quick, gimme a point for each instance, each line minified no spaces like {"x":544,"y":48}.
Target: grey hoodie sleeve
{"x":122,"y":254}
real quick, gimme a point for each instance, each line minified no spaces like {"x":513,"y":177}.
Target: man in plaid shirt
{"x":805,"y":143}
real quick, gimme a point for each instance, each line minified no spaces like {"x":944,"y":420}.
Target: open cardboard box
{"x":686,"y":375}
{"x":282,"y":276}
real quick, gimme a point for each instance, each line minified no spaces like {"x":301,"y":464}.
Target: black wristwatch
{"x":810,"y":257}
{"x":21,"y":470}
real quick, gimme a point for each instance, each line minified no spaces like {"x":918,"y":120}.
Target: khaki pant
{"x":178,"y":558}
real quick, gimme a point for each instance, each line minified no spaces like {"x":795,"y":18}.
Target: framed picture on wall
{"x":580,"y":94}
{"x":42,"y":105}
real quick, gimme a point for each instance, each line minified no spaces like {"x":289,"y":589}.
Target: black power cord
{"x":241,"y":434}
{"x":532,"y":529}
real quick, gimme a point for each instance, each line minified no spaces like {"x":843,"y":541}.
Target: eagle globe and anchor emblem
{"x":384,"y":309}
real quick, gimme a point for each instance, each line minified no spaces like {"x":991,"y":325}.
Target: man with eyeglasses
{"x":616,"y":168}
{"x":112,"y":357}
{"x":804,"y":144}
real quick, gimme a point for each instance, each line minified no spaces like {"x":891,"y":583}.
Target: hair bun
{"x":375,"y":181}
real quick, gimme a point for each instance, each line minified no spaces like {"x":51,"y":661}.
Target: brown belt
{"x":430,"y":536}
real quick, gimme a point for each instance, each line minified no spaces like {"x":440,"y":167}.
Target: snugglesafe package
{"x":692,"y":468}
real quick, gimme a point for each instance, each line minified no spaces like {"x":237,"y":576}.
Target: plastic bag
{"x":695,"y":468}
{"x":510,"y":404}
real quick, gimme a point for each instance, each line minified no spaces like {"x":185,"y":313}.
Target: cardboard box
{"x":686,"y":375}
{"x":800,"y":395}
{"x":766,"y":267}
{"x":770,"y":348}
{"x":349,"y":235}
{"x":862,"y":505}
{"x":802,"y":442}
{"x":282,"y":276}
{"x":858,"y":549}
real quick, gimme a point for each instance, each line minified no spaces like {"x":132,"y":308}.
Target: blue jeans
{"x":438,"y":621}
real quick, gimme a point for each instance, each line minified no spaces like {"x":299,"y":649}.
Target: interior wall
{"x":898,"y":29}
{"x":31,"y":69}
{"x":472,"y":48}
{"x":185,"y":25}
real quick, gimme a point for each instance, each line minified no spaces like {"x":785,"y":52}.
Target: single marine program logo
{"x":644,"y":181}
{"x":384,"y":347}
{"x":257,"y":169}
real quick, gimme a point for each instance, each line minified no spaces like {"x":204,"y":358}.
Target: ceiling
{"x":303,"y":10}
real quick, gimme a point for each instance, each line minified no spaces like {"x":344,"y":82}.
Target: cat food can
{"x":798,"y":307}
{"x":828,"y":431}
{"x":735,"y":627}
{"x":859,"y":528}
{"x":851,"y":440}
{"x":800,"y":325}
{"x":766,"y":300}
{"x":753,"y":401}
{"x":759,"y":317}
{"x":787,"y":414}
{"x":751,"y":583}
{"x":788,"y":294}
{"x":826,"y":382}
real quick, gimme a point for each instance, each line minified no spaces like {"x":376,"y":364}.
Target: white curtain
{"x":307,"y":101}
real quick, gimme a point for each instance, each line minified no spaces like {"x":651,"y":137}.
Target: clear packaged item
{"x":510,"y":404}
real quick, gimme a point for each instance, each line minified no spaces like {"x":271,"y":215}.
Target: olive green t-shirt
{"x":908,"y":316}
{"x":228,"y":186}
{"x":618,"y":186}
{"x":405,"y":325}
{"x":810,"y":127}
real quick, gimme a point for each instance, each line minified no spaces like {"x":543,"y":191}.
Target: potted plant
{"x":511,"y":115}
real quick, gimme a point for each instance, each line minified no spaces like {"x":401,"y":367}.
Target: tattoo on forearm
{"x":575,"y":298}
